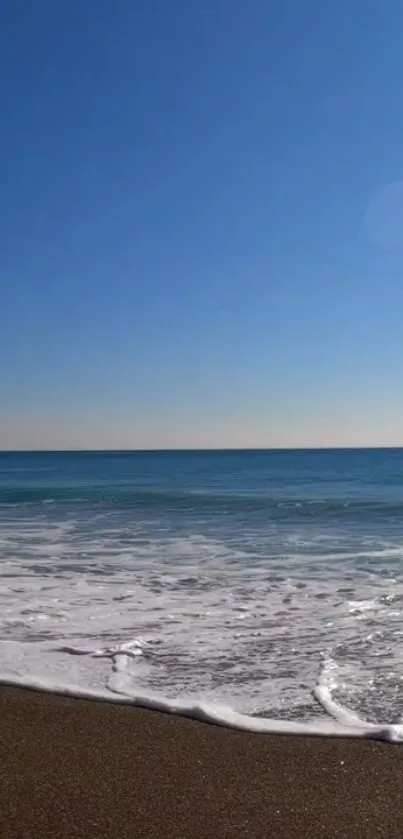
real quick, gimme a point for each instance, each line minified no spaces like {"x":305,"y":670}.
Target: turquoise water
{"x":234,"y":576}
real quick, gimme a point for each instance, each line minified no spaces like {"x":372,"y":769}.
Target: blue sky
{"x":201,"y":223}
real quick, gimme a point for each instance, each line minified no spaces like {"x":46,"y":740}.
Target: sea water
{"x":262,"y":589}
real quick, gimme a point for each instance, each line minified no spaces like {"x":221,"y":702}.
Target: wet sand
{"x":74,"y":768}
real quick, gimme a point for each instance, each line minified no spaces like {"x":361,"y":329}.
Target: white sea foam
{"x":198,"y":625}
{"x":345,"y":724}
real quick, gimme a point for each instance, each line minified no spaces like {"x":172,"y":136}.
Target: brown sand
{"x":73,"y":768}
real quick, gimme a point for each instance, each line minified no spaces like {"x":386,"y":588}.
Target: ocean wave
{"x":152,"y":499}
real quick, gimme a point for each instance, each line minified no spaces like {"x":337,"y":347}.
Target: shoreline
{"x":79,"y":768}
{"x":339,"y":723}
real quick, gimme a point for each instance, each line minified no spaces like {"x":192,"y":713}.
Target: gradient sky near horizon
{"x":201,"y":223}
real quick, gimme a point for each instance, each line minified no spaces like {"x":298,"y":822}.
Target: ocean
{"x":262,"y":589}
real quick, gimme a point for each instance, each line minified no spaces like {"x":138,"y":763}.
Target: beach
{"x":78,"y":768}
{"x":264,"y":583}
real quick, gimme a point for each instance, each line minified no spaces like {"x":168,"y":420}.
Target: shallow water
{"x":269,"y":582}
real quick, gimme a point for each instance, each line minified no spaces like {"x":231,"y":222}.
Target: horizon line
{"x":195,"y":450}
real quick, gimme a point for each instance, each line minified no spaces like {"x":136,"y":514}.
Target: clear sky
{"x":201,"y":223}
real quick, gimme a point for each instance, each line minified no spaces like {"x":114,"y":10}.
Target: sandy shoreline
{"x":75,"y":768}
